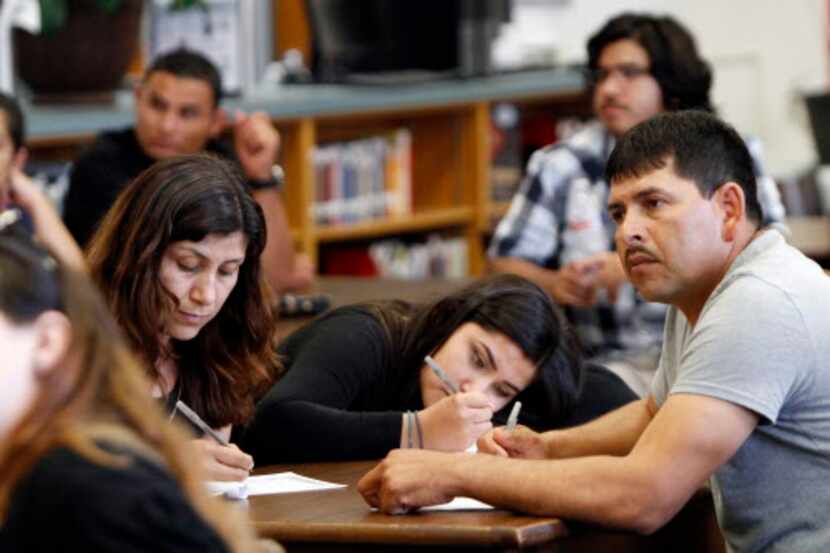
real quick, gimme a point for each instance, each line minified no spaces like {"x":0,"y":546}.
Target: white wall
{"x":765,"y":53}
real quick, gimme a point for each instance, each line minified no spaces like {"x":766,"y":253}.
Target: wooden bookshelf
{"x":449,"y":122}
{"x":428,"y":220}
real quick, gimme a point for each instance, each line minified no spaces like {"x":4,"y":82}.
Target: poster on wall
{"x":234,"y":34}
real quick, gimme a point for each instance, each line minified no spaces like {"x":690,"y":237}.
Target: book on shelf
{"x":363,"y":179}
{"x":437,"y":257}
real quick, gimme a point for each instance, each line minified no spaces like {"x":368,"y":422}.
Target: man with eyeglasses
{"x":557,"y":231}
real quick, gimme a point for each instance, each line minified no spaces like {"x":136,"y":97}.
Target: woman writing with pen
{"x":358,"y":384}
{"x":177,"y":258}
{"x":87,"y":461}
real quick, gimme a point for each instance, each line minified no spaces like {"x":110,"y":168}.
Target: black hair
{"x":685,"y":79}
{"x":184,"y":63}
{"x":505,"y":303}
{"x":14,"y":120}
{"x":30,"y":281}
{"x":700,"y":147}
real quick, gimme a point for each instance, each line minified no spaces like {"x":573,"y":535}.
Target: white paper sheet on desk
{"x":461,"y":504}
{"x":266,"y":484}
{"x":287,"y":482}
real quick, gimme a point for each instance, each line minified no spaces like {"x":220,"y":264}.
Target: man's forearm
{"x":278,"y":257}
{"x":614,"y":433}
{"x":601,"y":489}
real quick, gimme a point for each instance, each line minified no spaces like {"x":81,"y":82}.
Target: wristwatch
{"x":276,"y":180}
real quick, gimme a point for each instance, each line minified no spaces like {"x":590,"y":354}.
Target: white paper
{"x":460,"y":504}
{"x":266,"y":484}
{"x":286,"y":482}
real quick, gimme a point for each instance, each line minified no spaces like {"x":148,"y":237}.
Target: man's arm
{"x":283,"y":269}
{"x":49,"y":229}
{"x":688,"y":439}
{"x":614,"y":433}
{"x":574,"y":284}
{"x":256,"y":143}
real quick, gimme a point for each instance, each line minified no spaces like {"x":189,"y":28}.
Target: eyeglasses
{"x":628,"y":72}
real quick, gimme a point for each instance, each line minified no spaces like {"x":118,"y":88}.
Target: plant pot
{"x":90,"y":53}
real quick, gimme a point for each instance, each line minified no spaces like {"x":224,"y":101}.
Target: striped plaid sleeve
{"x":530,"y":228}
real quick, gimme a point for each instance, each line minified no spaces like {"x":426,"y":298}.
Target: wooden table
{"x":339,"y":520}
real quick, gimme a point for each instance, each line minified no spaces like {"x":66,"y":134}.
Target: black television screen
{"x":359,"y":37}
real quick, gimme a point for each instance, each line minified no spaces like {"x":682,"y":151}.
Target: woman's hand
{"x":455,"y":422}
{"x":221,"y":462}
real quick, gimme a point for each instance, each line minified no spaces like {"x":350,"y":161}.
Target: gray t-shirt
{"x":763,"y":342}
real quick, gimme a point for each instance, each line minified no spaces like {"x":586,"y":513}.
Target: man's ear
{"x":731,"y":202}
{"x":219,"y":123}
{"x":54,"y":336}
{"x":20,"y":157}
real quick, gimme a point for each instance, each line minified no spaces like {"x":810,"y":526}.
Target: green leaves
{"x":53,"y":13}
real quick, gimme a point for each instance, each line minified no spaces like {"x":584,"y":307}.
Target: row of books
{"x":437,"y":257}
{"x":363,"y":179}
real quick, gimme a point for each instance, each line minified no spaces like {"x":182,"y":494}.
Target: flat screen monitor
{"x":355,"y":39}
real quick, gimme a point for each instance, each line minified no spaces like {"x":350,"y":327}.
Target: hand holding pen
{"x":453,"y":423}
{"x":221,"y":460}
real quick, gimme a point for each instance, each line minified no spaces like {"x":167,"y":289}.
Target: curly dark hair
{"x":685,"y":79}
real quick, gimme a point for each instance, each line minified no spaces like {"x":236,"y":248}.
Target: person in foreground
{"x":177,"y":258}
{"x":742,"y":393}
{"x":87,"y":461}
{"x":358,"y":385}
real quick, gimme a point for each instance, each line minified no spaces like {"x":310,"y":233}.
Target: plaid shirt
{"x":559,"y":215}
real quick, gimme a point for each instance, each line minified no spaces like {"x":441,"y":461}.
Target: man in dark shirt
{"x":178,"y":113}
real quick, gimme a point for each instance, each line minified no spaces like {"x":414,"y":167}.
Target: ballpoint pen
{"x":439,"y":372}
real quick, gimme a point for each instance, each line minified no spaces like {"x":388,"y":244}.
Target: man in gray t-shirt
{"x":761,"y":342}
{"x":742,"y":394}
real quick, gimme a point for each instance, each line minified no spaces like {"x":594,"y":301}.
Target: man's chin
{"x":159,"y":154}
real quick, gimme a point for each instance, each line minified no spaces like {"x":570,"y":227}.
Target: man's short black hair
{"x":701,"y":148}
{"x":184,"y":63}
{"x":685,"y":79}
{"x":14,"y":120}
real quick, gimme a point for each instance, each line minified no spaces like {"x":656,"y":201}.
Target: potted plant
{"x":84,"y":46}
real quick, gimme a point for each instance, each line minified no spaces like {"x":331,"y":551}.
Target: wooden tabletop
{"x":339,"y":520}
{"x":341,"y":516}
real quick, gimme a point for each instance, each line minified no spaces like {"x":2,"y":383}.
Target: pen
{"x":514,"y":415}
{"x":439,"y":372}
{"x":199,"y":423}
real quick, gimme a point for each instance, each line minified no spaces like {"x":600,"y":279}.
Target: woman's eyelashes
{"x":480,"y":360}
{"x":188,"y":266}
